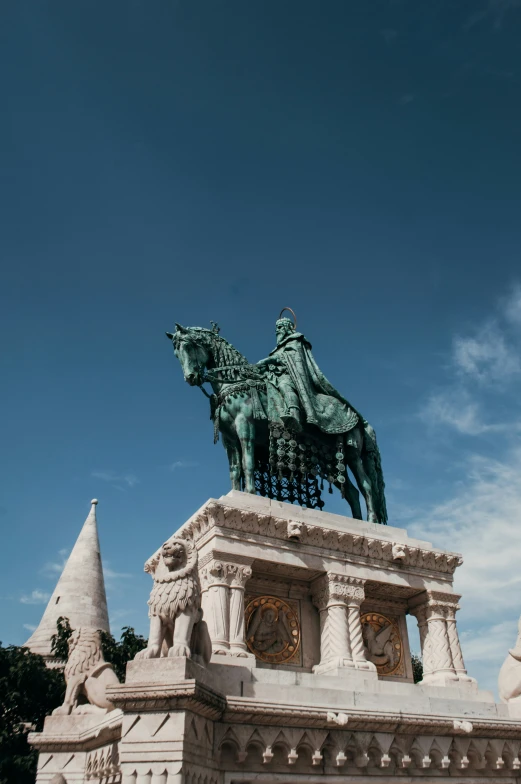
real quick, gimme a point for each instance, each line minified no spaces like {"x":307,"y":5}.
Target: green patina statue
{"x":284,"y":426}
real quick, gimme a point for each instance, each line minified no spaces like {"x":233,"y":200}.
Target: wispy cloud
{"x":480,"y":519}
{"x":486,"y":356}
{"x":120,"y":480}
{"x":30,"y":627}
{"x":484,"y":362}
{"x":110,"y":574}
{"x":54,"y":568}
{"x":489,"y":643}
{"x":36,"y":597}
{"x":457,"y":409}
{"x":182,"y":464}
{"x":405,"y":99}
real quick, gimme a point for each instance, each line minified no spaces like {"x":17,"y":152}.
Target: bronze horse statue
{"x":240,"y":407}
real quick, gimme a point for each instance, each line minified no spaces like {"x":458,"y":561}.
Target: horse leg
{"x":234,"y":461}
{"x":352,"y":497}
{"x":354,"y":461}
{"x":245,"y":429}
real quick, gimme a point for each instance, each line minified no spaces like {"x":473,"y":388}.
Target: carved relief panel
{"x":386,"y":643}
{"x":383,"y":643}
{"x":273,"y":629}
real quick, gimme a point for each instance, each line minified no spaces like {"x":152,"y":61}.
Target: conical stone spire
{"x":80,"y":593}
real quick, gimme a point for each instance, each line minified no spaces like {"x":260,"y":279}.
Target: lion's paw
{"x":179,"y":650}
{"x":62,"y":710}
{"x":152,"y":652}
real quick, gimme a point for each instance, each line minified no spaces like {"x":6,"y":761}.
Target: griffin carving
{"x":87,"y":674}
{"x":174,"y":604}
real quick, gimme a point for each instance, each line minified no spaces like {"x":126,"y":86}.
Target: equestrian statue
{"x":285,"y":428}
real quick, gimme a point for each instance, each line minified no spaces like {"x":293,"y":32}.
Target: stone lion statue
{"x":174,"y":604}
{"x":87,"y":674}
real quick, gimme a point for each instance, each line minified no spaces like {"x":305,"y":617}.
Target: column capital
{"x":219,"y":572}
{"x":238,"y":575}
{"x":332,"y":588}
{"x":431,"y":604}
{"x":213,"y":574}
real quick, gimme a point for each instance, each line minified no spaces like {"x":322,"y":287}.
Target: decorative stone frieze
{"x":396,"y":753}
{"x":218,"y":514}
{"x":441,"y":651}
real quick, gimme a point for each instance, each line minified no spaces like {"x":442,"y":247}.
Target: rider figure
{"x":298,"y":392}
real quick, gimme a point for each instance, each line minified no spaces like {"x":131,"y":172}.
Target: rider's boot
{"x":291,"y":419}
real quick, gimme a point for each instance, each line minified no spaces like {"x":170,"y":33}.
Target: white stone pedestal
{"x":279,"y":581}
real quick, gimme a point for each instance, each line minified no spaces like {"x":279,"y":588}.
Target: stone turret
{"x":80,"y":592}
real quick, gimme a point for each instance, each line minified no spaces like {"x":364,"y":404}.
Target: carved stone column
{"x":455,"y":646}
{"x":338,"y":599}
{"x":441,"y":651}
{"x":239,"y":575}
{"x":222,"y":599}
{"x":356,"y":639}
{"x":216,"y":605}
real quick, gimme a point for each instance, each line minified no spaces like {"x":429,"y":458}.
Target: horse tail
{"x":373,"y":467}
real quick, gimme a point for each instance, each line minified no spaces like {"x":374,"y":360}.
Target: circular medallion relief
{"x":272,"y":629}
{"x":382,"y":641}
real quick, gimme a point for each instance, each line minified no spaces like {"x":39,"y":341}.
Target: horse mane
{"x":225,"y":354}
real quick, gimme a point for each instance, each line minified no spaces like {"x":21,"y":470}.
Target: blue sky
{"x":176,"y":161}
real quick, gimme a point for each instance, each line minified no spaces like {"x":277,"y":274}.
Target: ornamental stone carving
{"x":272,"y":630}
{"x":174,"y":604}
{"x":87,"y":675}
{"x":415,"y":754}
{"x":216,"y":514}
{"x":383,"y":643}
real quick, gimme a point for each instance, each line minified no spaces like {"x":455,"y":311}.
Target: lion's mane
{"x":84,"y":652}
{"x":174,"y":591}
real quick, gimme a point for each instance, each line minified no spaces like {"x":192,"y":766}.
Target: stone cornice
{"x":360,"y":547}
{"x":187,"y":695}
{"x":243,"y":710}
{"x":108,"y":730}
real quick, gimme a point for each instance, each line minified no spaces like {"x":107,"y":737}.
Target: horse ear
{"x":169,"y":335}
{"x":179,"y":328}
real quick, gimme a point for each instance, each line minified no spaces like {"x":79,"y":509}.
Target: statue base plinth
{"x":283,"y":716}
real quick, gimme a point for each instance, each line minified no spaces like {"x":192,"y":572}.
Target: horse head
{"x":192,"y":350}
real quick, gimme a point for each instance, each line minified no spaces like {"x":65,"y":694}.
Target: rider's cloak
{"x":321,"y":404}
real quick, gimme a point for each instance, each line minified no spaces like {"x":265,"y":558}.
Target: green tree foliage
{"x":28,"y":692}
{"x":60,"y":640}
{"x":417,"y":667}
{"x":117,"y":653}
